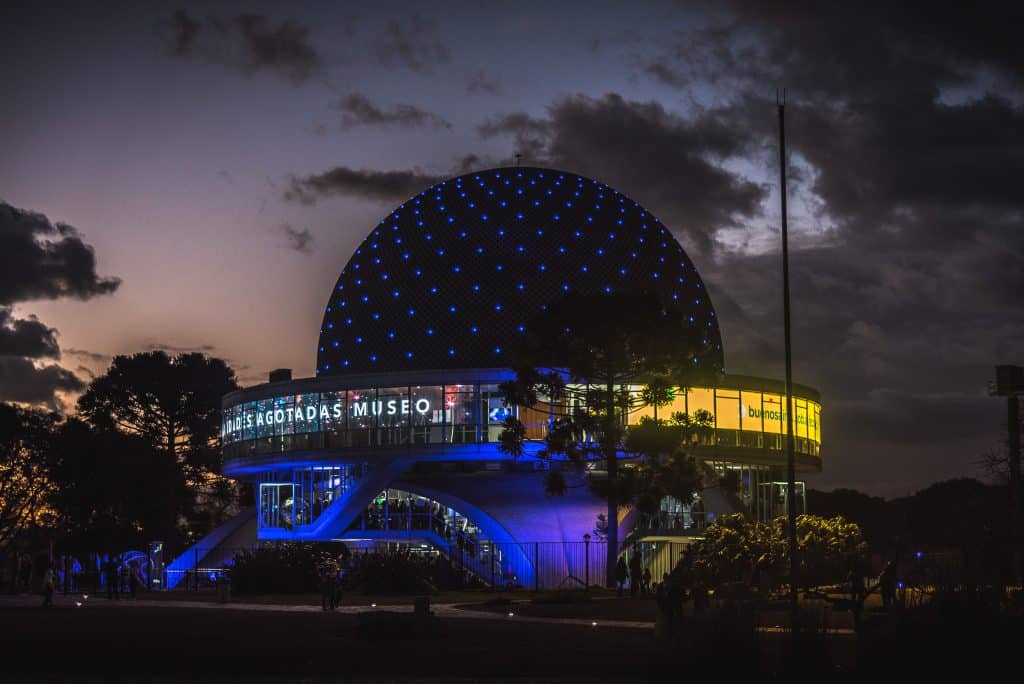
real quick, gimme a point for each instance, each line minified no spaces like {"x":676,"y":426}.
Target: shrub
{"x":280,"y":569}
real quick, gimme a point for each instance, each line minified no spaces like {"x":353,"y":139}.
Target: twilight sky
{"x":193,"y":177}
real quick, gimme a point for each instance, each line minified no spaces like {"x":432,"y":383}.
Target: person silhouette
{"x":620,"y":574}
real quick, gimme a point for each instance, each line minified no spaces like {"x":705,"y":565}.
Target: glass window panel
{"x":727,"y":410}
{"x":492,"y":404}
{"x":773,"y":413}
{"x":427,"y":415}
{"x":332,"y":418}
{"x":800,"y":416}
{"x":700,"y":399}
{"x":816,"y":422}
{"x":249,"y":420}
{"x":307,"y":413}
{"x":393,"y":408}
{"x":638,"y":410}
{"x":750,"y":411}
{"x":284,"y":415}
{"x":460,"y":413}
{"x":264,"y":418}
{"x":362,"y":416}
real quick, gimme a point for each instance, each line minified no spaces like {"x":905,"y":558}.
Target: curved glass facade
{"x":396,"y":416}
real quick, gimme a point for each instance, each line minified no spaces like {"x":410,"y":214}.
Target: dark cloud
{"x":480,"y":82}
{"x":671,"y":164}
{"x":413,"y":43}
{"x":357,"y":110}
{"x":387,"y":186}
{"x":26,"y":337}
{"x":23,"y":381}
{"x":182,"y":32}
{"x":904,"y":123}
{"x":43,"y":260}
{"x":88,"y":355}
{"x":160,"y":346}
{"x":299,"y":240}
{"x":246,"y":42}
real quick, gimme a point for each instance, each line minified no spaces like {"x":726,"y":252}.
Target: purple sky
{"x":178,"y":139}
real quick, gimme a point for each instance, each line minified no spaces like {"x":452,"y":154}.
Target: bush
{"x":400,"y":572}
{"x":280,"y":569}
{"x":733,"y":546}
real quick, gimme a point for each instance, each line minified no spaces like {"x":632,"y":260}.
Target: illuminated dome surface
{"x":452,"y":277}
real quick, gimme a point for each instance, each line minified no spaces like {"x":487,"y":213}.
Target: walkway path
{"x":440,"y":609}
{"x":445,"y":610}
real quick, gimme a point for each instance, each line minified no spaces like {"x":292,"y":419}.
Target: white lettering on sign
{"x":304,"y":417}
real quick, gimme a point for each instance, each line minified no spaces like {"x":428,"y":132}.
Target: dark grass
{"x":140,"y":642}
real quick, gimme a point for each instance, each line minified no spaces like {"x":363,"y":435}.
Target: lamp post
{"x":790,"y":459}
{"x":586,"y":561}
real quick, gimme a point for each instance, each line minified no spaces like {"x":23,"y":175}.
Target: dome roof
{"x":452,"y":277}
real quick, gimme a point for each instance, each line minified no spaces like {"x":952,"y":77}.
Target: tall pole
{"x":1013,"y":432}
{"x":790,"y":459}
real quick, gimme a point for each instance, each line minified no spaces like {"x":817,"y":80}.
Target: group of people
{"x":116,"y":575}
{"x":638,"y":576}
{"x":332,"y":574}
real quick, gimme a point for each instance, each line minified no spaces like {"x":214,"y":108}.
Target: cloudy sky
{"x":194,"y":177}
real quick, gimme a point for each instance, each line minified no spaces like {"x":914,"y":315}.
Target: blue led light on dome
{"x":473,"y":329}
{"x":451,"y":352}
{"x":451,"y":309}
{"x":575,"y":203}
{"x":359,"y":340}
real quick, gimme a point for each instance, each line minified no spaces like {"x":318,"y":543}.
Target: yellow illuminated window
{"x":772,"y":409}
{"x":727,"y":405}
{"x":699,"y":399}
{"x":750,"y":411}
{"x":800,"y":416}
{"x":817,"y":423}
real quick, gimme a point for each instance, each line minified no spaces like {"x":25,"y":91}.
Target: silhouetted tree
{"x":173,"y":403}
{"x":26,"y":437}
{"x":110,"y":489}
{"x":583,"y":353}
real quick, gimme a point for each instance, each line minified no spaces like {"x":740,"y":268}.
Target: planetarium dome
{"x":453,"y":276}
